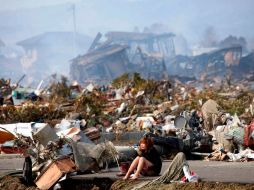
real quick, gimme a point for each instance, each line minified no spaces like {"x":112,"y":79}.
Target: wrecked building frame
{"x":216,"y":63}
{"x":117,"y":55}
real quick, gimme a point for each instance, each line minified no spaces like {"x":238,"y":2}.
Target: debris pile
{"x":67,"y":129}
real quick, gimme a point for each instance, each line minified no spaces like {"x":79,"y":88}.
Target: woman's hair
{"x":148,"y":141}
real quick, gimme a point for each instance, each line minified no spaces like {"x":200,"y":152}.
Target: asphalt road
{"x":237,"y":172}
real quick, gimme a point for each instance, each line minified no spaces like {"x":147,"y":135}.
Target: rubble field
{"x":72,"y":129}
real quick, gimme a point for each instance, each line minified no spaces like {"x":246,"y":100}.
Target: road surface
{"x":214,"y":171}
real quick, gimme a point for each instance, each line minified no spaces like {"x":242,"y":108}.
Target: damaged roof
{"x":100,"y":53}
{"x":55,"y":38}
{"x":134,"y":36}
{"x":223,"y":50}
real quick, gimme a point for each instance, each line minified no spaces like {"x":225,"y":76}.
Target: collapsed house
{"x":124,"y":52}
{"x":207,"y":65}
{"x":148,"y":42}
{"x":101,"y":64}
{"x":49,"y":53}
{"x":246,"y":66}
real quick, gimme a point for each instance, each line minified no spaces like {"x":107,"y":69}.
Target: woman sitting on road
{"x":148,"y":161}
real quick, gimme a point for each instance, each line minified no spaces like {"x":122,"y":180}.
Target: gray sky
{"x":20,"y":19}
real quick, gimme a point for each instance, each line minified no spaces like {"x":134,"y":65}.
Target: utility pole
{"x":74,"y":29}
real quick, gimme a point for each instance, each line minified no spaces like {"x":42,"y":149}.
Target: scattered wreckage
{"x":57,"y":153}
{"x":178,"y":117}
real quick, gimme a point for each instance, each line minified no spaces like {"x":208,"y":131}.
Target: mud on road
{"x":128,"y":185}
{"x":14,"y":183}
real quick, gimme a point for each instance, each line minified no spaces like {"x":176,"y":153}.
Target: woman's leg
{"x":142,"y":164}
{"x":133,"y":166}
